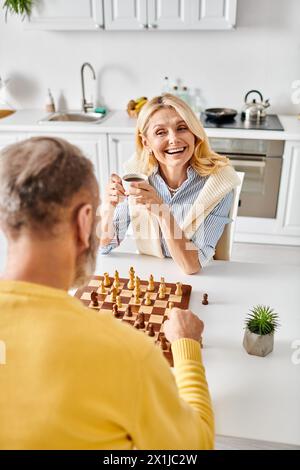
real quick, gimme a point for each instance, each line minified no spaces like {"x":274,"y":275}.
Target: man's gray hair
{"x":38,"y":178}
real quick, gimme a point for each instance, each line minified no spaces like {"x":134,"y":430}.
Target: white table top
{"x":253,"y":397}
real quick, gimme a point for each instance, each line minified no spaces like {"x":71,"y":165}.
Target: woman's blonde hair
{"x":204,"y":160}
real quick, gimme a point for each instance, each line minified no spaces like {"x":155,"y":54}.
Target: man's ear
{"x":84,"y":222}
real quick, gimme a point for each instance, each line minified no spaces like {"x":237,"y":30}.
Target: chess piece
{"x":161,"y":292}
{"x":205,"y":299}
{"x":147,"y":299}
{"x":137,"y":291}
{"x":116,"y":283}
{"x":163,"y":342}
{"x":171,"y":305}
{"x":115,"y":310}
{"x":94,"y":298}
{"x":130,"y":284}
{"x":150,"y":330}
{"x":137,"y":283}
{"x":128,"y":311}
{"x":141,"y":320}
{"x":119,"y":301}
{"x":113,"y":294}
{"x":178,"y":290}
{"x":136,"y":299}
{"x":162,"y":281}
{"x":102,"y":289}
{"x":136,"y":325}
{"x":131,"y":271}
{"x":106,"y":282}
{"x":151,"y":286}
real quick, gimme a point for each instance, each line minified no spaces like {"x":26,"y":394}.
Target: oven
{"x":261,"y":161}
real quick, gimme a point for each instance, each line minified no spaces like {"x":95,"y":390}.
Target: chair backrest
{"x":224,"y":245}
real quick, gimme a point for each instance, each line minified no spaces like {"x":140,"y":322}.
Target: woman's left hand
{"x":145,"y":194}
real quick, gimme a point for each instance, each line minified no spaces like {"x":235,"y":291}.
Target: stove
{"x":271,"y":123}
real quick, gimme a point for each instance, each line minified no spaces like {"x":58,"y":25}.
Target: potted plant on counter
{"x":261,"y":325}
{"x":18,"y":7}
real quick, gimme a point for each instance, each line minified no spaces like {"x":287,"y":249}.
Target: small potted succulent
{"x":261,"y":325}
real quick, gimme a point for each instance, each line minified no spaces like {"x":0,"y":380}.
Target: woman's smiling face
{"x":170,"y":139}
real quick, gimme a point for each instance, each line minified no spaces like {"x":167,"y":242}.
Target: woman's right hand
{"x":114,"y":191}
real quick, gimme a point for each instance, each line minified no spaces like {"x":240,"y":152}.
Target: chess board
{"x":155,"y":314}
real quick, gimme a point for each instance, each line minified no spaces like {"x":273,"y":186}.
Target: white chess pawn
{"x":119,"y":301}
{"x":178,"y":290}
{"x":102,"y":289}
{"x":147,"y":299}
{"x":106,"y":280}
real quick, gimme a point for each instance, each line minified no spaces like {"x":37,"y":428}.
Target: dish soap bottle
{"x":5,"y":106}
{"x":50,"y":106}
{"x":166,"y":86}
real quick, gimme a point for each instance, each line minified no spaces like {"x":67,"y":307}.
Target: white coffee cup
{"x":132,"y":178}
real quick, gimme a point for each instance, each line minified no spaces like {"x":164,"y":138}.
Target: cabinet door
{"x":289,"y":196}
{"x":66,"y":15}
{"x":169,"y":14}
{"x":125,"y":14}
{"x":95,"y":149}
{"x":121,"y":148}
{"x":212,"y":14}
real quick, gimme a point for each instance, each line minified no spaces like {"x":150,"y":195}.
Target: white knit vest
{"x":146,"y":226}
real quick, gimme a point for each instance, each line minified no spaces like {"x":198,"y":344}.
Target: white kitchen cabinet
{"x":289,"y":208}
{"x":121,"y":147}
{"x":169,"y":14}
{"x":125,"y":14}
{"x":212,"y":14}
{"x":67,"y":15}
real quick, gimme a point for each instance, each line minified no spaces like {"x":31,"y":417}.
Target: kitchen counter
{"x":119,"y":122}
{"x":253,"y":397}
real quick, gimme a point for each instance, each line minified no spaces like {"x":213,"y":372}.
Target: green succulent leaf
{"x":262,"y":320}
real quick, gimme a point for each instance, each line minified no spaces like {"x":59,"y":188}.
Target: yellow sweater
{"x":76,"y":379}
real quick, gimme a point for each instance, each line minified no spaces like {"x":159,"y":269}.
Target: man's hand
{"x":183,"y":324}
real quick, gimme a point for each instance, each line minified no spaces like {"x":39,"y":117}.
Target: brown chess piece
{"x":115,"y":310}
{"x":94,"y":298}
{"x":205,"y":299}
{"x":128,"y":311}
{"x":141,"y":320}
{"x":163,"y":342}
{"x":151,"y":330}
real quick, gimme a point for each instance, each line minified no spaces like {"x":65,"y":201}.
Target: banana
{"x":140,"y":104}
{"x":143,"y":98}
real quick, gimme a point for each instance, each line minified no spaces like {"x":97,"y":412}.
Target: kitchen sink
{"x":73,"y":117}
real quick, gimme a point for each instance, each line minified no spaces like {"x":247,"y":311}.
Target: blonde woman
{"x":182,"y":209}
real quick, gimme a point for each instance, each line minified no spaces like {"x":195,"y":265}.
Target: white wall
{"x":262,"y":53}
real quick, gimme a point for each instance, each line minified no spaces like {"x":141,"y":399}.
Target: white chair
{"x":224,"y":245}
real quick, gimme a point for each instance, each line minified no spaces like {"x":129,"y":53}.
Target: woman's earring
{"x":150,"y":152}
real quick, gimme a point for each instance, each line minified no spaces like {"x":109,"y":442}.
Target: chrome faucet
{"x":85,"y":105}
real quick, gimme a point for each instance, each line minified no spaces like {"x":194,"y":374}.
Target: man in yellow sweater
{"x":71,"y":378}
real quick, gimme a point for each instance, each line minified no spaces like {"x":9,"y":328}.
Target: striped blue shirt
{"x":207,"y":234}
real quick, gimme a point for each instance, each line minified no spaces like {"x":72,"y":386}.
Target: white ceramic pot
{"x":258,"y":345}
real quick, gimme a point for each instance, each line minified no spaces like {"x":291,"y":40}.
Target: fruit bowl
{"x":134,"y":106}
